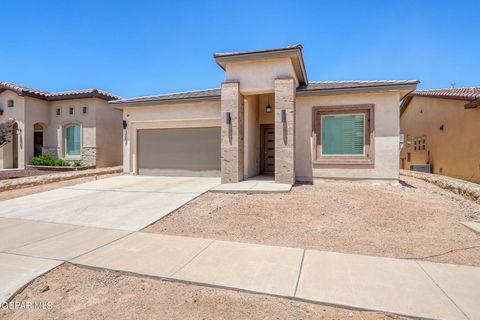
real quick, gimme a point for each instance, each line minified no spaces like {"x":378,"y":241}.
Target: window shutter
{"x":343,"y":134}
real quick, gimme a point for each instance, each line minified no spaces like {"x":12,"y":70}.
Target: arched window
{"x":73,"y":140}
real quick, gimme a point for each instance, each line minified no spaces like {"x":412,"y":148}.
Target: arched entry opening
{"x":37,"y":139}
{"x":15,"y":146}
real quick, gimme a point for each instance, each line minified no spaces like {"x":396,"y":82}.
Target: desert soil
{"x":5,"y":195}
{"x":413,"y":220}
{"x":78,"y":293}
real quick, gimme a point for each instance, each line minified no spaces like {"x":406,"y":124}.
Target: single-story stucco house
{"x":442,"y":129}
{"x":74,"y":126}
{"x":268,"y":118}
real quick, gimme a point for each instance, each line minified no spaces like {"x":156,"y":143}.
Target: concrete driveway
{"x":126,"y":202}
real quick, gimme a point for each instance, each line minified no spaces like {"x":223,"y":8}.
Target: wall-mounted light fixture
{"x":284,"y":116}
{"x":125,"y":124}
{"x":441,"y":127}
{"x":268,"y":109}
{"x":228,"y":118}
{"x":1,"y":112}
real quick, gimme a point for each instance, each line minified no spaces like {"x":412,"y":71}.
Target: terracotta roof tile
{"x":45,"y":95}
{"x":468,"y":93}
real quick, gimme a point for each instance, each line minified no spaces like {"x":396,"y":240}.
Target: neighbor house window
{"x":343,"y":134}
{"x":10,"y":103}
{"x":71,"y":110}
{"x":84,"y":110}
{"x":73,"y":140}
{"x":58,"y":111}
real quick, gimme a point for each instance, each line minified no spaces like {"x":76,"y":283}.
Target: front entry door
{"x":268,"y":150}
{"x":37,"y":143}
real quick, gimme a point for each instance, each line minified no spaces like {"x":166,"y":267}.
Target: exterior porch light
{"x":125,"y":124}
{"x":268,"y":109}
{"x":1,"y":112}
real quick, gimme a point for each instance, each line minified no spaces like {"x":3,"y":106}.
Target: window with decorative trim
{"x":343,"y":134}
{"x":73,"y":141}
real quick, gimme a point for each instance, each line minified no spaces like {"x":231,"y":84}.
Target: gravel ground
{"x":414,"y":220}
{"x":5,"y":195}
{"x":21,"y":173}
{"x":77,"y":293}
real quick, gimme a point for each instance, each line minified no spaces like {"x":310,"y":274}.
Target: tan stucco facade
{"x":101,"y":129}
{"x":386,"y":137}
{"x":281,"y":139}
{"x":451,"y":134}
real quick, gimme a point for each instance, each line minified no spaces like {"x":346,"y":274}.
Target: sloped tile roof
{"x":210,"y":94}
{"x":326,"y":85}
{"x":467,"y":93}
{"x":45,"y":95}
{"x":197,"y":94}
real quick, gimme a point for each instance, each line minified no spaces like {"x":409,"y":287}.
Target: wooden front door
{"x":268,"y":149}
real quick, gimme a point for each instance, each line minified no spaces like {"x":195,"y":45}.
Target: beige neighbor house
{"x":268,"y":118}
{"x":74,"y":125}
{"x":442,"y":128}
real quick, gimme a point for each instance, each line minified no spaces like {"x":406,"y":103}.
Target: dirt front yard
{"x":414,"y":220}
{"x":78,"y":293}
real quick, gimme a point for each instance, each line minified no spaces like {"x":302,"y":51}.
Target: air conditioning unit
{"x":421,"y":168}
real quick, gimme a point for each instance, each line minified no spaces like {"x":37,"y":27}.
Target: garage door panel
{"x":179,"y":152}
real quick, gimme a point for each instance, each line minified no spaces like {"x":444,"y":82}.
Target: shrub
{"x":77,"y":163}
{"x":45,"y":160}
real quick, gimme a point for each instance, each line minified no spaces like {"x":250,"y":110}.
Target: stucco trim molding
{"x":368,"y":159}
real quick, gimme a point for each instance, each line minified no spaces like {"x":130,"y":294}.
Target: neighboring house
{"x":268,"y":118}
{"x":74,"y":125}
{"x":442,"y":128}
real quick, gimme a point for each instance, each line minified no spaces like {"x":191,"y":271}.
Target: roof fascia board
{"x":293,"y":53}
{"x":323,"y":92}
{"x":146,"y":103}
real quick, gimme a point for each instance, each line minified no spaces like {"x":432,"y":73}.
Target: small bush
{"x":77,"y":163}
{"x":45,"y":160}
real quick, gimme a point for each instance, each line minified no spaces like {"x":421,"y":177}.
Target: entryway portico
{"x":252,"y":79}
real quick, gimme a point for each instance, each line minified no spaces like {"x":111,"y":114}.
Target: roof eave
{"x":118,"y":104}
{"x":352,"y":90}
{"x":294,"y":53}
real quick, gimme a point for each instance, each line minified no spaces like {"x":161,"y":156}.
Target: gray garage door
{"x":179,"y":152}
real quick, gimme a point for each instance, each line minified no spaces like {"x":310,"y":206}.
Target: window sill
{"x":348,"y":161}
{"x":72,"y":158}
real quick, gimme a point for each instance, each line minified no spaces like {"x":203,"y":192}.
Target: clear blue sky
{"x":135,"y":48}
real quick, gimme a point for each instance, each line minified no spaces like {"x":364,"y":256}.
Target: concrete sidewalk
{"x":405,"y":287}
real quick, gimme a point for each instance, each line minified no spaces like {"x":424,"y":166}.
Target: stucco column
{"x":232,"y":133}
{"x":284,"y":130}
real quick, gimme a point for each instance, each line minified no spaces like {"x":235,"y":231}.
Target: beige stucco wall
{"x":109,"y":136}
{"x":17,"y":112}
{"x":454,"y":151}
{"x":28,"y":111}
{"x":252,"y":137}
{"x":256,"y":77}
{"x":55,"y":134}
{"x":386,"y":137}
{"x":179,"y":115}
